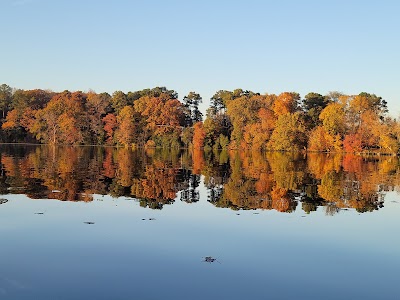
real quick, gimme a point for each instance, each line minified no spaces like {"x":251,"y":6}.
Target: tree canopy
{"x":238,"y":119}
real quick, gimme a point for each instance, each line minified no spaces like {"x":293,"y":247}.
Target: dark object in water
{"x":3,"y":200}
{"x":89,"y":223}
{"x":152,"y":219}
{"x":39,"y":213}
{"x":210,"y":259}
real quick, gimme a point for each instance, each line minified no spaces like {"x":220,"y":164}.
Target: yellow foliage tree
{"x":321,"y":140}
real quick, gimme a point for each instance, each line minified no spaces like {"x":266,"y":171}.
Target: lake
{"x":106,"y":223}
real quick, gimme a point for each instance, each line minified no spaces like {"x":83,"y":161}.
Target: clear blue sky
{"x":203,"y":46}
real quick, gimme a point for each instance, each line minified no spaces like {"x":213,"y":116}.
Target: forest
{"x":239,"y":119}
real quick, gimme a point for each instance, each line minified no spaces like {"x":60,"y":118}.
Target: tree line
{"x":238,"y":119}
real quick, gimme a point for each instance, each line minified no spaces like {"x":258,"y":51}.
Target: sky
{"x":203,"y":46}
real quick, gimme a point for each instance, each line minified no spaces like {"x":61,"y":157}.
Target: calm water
{"x":104,"y":223}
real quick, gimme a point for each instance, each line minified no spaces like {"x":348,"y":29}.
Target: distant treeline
{"x":235,"y":120}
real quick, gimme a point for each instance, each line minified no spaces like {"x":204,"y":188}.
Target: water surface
{"x":104,"y":223}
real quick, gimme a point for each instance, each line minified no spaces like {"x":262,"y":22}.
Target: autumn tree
{"x":243,"y":112}
{"x":96,"y":107}
{"x":369,"y":102}
{"x":259,"y":133}
{"x":333,"y":118}
{"x":198,"y":135}
{"x":126,"y":126}
{"x":110,"y":124}
{"x":329,"y":135}
{"x":322,"y":140}
{"x":163,"y":117}
{"x":367,"y":112}
{"x":352,"y":143}
{"x":47,"y":125}
{"x":289,"y":133}
{"x":388,"y":133}
{"x":62,"y":120}
{"x":287,"y":102}
{"x":23,"y":108}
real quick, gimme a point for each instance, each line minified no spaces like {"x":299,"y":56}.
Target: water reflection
{"x":237,"y":180}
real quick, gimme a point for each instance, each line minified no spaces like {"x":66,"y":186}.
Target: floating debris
{"x":39,"y":213}
{"x":238,"y":214}
{"x":143,"y":219}
{"x":3,"y":200}
{"x":210,"y":259}
{"x":256,"y":213}
{"x":152,"y":219}
{"x":89,"y":223}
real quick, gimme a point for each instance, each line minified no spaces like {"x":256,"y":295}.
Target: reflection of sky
{"x":260,"y":256}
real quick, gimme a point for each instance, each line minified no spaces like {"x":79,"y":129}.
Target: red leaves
{"x":110,"y":123}
{"x":198,"y":135}
{"x":352,"y":143}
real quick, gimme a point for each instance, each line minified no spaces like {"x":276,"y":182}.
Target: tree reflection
{"x":190,"y":192}
{"x":237,"y":180}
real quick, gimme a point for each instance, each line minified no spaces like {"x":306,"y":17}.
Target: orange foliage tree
{"x":199,"y":135}
{"x":126,"y":126}
{"x":110,"y":124}
{"x":321,"y":140}
{"x":352,"y":143}
{"x":285,"y":103}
